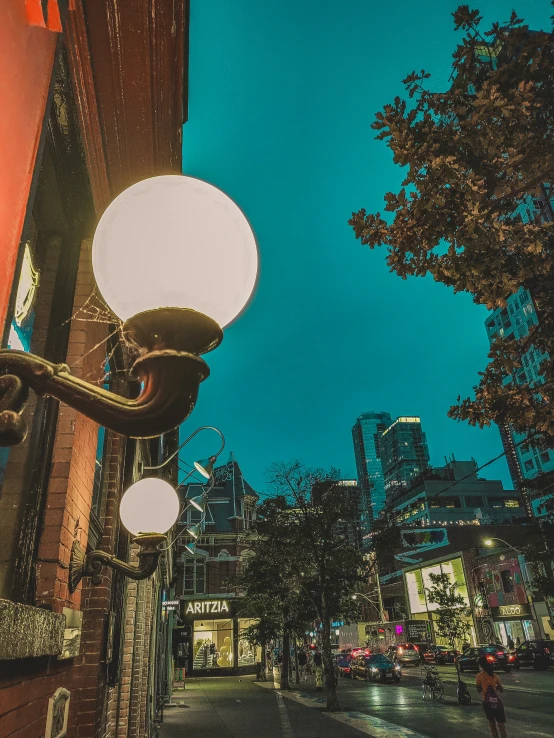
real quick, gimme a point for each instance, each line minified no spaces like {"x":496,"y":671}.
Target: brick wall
{"x":70,"y":487}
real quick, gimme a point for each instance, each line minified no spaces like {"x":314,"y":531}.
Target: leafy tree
{"x":303,"y":564}
{"x":453,"y":614}
{"x":271,"y":580}
{"x":319,"y":510}
{"x":473,"y":156}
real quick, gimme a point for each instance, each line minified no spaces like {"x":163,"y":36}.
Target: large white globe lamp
{"x":175,"y":242}
{"x":149,"y":506}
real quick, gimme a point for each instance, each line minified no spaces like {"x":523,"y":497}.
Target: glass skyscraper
{"x":404,"y":453}
{"x":366,"y":435}
{"x":514,"y":322}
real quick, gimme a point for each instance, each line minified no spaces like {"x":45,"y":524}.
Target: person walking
{"x":302,"y":661}
{"x":511,"y":644}
{"x":318,"y":667}
{"x":490,"y":687}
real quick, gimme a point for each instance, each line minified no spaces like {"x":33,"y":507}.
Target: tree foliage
{"x":453,"y":615}
{"x":473,"y":156}
{"x":303,"y":558}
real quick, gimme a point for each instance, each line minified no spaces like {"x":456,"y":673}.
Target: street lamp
{"x":148,"y":510}
{"x":489,"y":542}
{"x":378,"y":602}
{"x":176,"y":260}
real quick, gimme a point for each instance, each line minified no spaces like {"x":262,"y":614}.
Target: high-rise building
{"x":366,"y":435}
{"x":454,"y":494}
{"x":404,"y":453}
{"x":525,"y":461}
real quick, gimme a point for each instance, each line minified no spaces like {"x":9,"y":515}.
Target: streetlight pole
{"x":379,"y":602}
{"x":521,"y":560}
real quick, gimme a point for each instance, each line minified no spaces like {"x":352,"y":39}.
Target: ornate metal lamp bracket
{"x":169,"y":370}
{"x":82,"y":564}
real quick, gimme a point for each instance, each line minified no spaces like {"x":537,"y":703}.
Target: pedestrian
{"x":279,"y":660}
{"x":518,"y":641}
{"x":269,"y":659}
{"x":510,"y":643}
{"x":490,"y":687}
{"x":302,"y":661}
{"x":318,"y":668}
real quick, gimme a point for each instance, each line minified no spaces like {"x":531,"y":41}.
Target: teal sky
{"x":282,"y":95}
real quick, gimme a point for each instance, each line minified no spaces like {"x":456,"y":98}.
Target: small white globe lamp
{"x":175,"y":242}
{"x":149,"y":506}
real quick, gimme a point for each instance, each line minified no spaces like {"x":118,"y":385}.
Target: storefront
{"x":215,"y":641}
{"x":513,"y":621}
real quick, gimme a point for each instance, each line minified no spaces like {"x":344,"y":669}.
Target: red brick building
{"x":93,"y":99}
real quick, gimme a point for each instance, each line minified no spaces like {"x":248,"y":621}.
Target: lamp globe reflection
{"x":175,"y":242}
{"x":149,"y":506}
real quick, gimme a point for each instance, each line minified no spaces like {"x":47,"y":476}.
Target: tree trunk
{"x":264,"y":658}
{"x":297,"y":680}
{"x":286,"y":659}
{"x":329,"y":667}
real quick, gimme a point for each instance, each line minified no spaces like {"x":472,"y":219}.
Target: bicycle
{"x":432,"y":684}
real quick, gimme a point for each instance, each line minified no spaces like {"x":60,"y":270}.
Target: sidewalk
{"x":236,"y":707}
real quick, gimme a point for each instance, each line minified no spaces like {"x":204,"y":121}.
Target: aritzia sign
{"x":207,"y":607}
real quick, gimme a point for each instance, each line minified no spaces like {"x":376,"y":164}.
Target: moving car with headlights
{"x":538,"y":654}
{"x":343,"y":662}
{"x":404,"y":653}
{"x":497,"y":656}
{"x":376,"y":667}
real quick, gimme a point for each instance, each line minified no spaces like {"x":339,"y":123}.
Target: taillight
{"x":511,"y":657}
{"x":490,"y":658}
{"x":500,"y":653}
{"x":547,"y":650}
{"x":400,"y":651}
{"x":416,"y":648}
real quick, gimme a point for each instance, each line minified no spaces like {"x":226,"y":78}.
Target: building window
{"x":545,"y":457}
{"x":194,"y":578}
{"x":512,"y":503}
{"x":507,"y":581}
{"x":529,"y":465}
{"x":213,"y":644}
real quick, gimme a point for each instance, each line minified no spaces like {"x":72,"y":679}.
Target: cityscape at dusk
{"x":277,"y":369}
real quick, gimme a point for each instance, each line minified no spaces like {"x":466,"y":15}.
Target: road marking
{"x":284,"y":717}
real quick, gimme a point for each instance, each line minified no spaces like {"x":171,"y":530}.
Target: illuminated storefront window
{"x":247,"y":654}
{"x":213,"y":644}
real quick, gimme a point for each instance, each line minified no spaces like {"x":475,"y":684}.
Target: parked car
{"x":404,"y":653}
{"x":498,"y":656}
{"x":375,"y":667}
{"x":441,"y":655}
{"x":343,"y":662}
{"x":538,"y":654}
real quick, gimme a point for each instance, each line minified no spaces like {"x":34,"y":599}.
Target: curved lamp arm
{"x":82,"y":564}
{"x":203,"y":427}
{"x":495,"y":538}
{"x":170,"y":371}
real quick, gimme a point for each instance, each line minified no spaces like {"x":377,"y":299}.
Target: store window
{"x":213,"y":644}
{"x":247,"y":653}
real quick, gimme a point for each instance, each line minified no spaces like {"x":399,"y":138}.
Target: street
{"x":243,"y":708}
